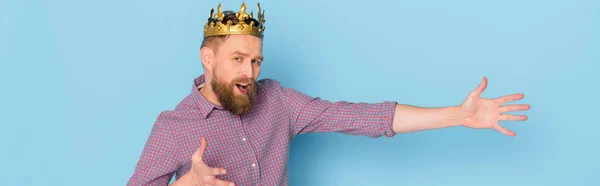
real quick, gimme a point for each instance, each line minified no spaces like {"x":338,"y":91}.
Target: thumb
{"x":477,"y":92}
{"x":504,"y":130}
{"x":197,"y":156}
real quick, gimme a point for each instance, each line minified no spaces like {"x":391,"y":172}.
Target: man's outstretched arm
{"x":474,"y":112}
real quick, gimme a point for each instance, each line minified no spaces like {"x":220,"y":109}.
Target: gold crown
{"x":214,"y":28}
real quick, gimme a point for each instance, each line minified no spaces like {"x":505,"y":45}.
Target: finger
{"x":515,"y":107}
{"x":197,"y":156}
{"x":513,"y":117}
{"x":509,"y":98}
{"x":216,"y":171}
{"x":477,"y":92}
{"x":223,"y":183}
{"x":209,"y":180}
{"x":504,"y":131}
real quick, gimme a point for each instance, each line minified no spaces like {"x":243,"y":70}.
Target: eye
{"x":237,"y":59}
{"x":256,"y":61}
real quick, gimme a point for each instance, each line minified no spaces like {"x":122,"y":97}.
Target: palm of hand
{"x":486,"y":113}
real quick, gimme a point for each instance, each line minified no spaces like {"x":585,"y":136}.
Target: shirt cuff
{"x":384,"y":117}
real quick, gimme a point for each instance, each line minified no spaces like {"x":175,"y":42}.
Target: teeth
{"x":243,"y":84}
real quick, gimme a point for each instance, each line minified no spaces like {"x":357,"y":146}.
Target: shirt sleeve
{"x":312,"y":114}
{"x":158,"y":161}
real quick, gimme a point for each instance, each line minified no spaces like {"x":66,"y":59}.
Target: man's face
{"x":235,"y":70}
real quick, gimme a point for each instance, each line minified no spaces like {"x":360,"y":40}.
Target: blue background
{"x":83,"y":81}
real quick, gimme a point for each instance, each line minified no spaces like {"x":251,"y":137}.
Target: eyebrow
{"x":246,"y":55}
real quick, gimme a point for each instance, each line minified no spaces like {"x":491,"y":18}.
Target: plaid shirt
{"x":253,"y":148}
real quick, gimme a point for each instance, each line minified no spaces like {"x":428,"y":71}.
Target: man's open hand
{"x":200,"y":173}
{"x":485,"y":113}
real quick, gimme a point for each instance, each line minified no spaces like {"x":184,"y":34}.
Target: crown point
{"x":258,"y":4}
{"x":220,"y":27}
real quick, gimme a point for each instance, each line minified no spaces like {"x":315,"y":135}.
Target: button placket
{"x":253,"y":159}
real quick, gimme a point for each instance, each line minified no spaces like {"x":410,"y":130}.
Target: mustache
{"x":242,"y":80}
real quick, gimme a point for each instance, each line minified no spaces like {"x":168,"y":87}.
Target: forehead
{"x":243,"y":43}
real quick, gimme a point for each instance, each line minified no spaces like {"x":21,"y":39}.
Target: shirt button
{"x":254,"y":165}
{"x":243,"y":139}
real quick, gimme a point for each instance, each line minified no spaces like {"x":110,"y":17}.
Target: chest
{"x":238,"y":142}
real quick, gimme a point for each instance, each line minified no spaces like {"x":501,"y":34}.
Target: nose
{"x":247,"y":70}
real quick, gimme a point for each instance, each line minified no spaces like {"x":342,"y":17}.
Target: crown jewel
{"x":214,"y":28}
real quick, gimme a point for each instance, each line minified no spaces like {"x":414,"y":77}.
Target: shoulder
{"x":184,"y":112}
{"x":268,"y":83}
{"x":273,"y":85}
{"x":274,"y":88}
{"x":269,"y":87}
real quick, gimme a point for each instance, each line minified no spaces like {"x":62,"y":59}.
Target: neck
{"x":207,"y":92}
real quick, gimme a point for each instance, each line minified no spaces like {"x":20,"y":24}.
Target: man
{"x":234,"y":130}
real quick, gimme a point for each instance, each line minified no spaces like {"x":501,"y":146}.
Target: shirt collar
{"x":205,"y":106}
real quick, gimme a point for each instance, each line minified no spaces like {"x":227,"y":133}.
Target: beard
{"x":236,"y":104}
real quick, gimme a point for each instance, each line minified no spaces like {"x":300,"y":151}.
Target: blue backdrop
{"x":83,"y":81}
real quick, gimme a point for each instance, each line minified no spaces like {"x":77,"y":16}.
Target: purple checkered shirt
{"x":253,"y":148}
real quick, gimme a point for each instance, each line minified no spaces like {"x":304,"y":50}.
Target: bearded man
{"x":233,"y":129}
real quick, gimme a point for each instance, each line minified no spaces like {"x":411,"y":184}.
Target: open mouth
{"x":243,"y":87}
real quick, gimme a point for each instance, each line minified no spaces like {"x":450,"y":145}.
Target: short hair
{"x":214,"y":42}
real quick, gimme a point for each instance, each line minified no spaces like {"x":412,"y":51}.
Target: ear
{"x":207,"y":57}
